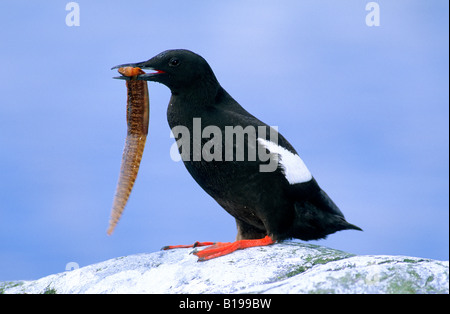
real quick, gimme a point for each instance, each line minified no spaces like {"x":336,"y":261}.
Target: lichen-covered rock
{"x":287,"y":267}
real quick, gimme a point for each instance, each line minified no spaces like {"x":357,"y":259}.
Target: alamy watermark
{"x":373,"y":17}
{"x":72,"y":266}
{"x":233,"y":143}
{"x":73,"y":17}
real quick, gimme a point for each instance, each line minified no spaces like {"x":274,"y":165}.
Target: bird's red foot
{"x":196,"y":244}
{"x":220,"y":248}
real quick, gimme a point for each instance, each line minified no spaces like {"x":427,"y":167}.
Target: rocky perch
{"x":287,"y":267}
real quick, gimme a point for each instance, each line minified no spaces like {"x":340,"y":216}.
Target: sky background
{"x":367,"y":108}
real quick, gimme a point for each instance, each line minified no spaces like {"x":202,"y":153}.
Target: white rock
{"x":288,"y":267}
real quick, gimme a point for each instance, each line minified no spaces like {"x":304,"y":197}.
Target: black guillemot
{"x":269,"y":205}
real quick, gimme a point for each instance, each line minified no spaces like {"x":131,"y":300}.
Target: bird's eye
{"x":174,"y":62}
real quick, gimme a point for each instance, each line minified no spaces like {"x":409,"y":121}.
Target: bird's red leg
{"x":220,"y":249}
{"x":196,"y":244}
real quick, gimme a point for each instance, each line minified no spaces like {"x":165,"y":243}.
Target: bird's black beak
{"x":145,"y":65}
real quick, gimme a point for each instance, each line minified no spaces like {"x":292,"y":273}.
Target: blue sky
{"x":367,"y":108}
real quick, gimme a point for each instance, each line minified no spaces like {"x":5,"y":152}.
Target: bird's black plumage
{"x":284,"y":203}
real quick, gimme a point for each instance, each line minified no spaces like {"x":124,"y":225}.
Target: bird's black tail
{"x":349,"y":226}
{"x":312,"y":222}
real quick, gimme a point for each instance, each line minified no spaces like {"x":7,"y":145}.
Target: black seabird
{"x":269,"y":204}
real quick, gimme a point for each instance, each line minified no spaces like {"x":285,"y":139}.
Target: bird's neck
{"x":195,"y":102}
{"x":199,"y":91}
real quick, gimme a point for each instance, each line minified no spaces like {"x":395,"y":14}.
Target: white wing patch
{"x":293,"y":167}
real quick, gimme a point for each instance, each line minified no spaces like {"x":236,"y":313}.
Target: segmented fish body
{"x":137,"y":129}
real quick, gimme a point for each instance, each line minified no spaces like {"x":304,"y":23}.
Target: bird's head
{"x":177,"y":69}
